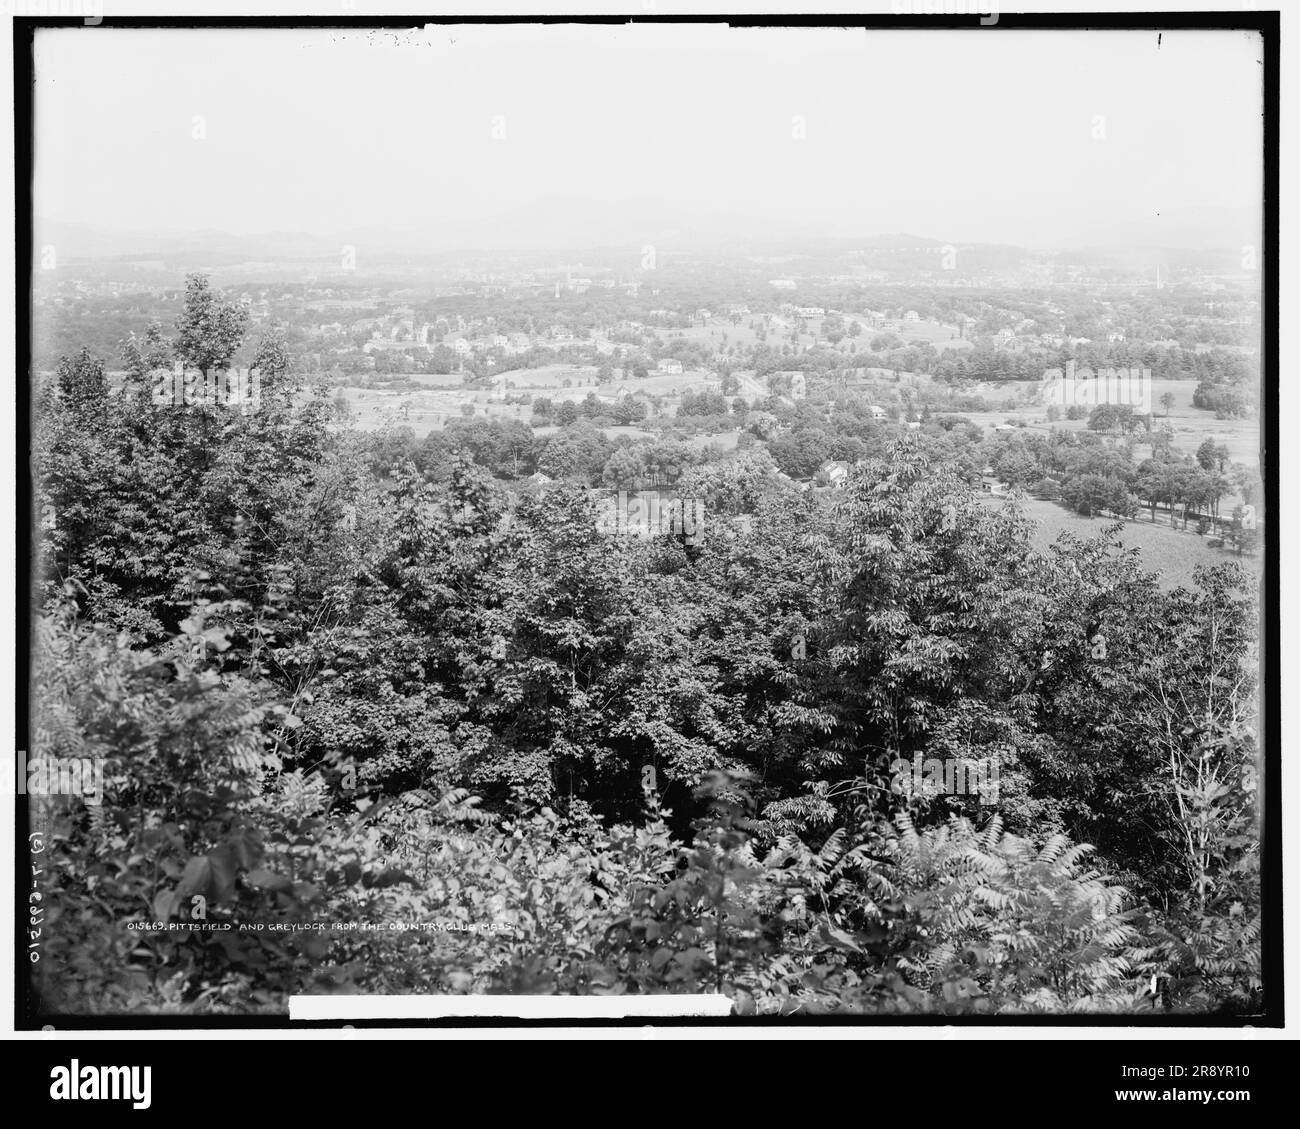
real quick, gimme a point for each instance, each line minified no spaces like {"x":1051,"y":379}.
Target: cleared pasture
{"x":1172,"y":553}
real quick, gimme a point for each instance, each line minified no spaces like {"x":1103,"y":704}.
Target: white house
{"x":837,"y":473}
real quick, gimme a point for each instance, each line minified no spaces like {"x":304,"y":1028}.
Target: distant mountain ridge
{"x":1189,"y":229}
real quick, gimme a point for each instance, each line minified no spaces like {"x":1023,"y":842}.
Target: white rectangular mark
{"x":328,"y":1007}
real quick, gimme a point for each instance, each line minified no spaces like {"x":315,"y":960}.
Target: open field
{"x":1170,"y":552}
{"x":612,"y":433}
{"x":938,"y":334}
{"x":440,"y":398}
{"x":423,"y":411}
{"x":719,"y":333}
{"x":551,"y":378}
{"x":549,"y":381}
{"x":727,"y":440}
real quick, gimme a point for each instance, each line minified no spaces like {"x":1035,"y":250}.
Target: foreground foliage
{"x":372,"y":728}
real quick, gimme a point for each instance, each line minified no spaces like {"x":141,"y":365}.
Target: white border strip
{"x":513,"y":1007}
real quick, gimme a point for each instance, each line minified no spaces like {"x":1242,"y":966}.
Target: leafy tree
{"x":272,"y":362}
{"x":83,"y":386}
{"x":623,"y":471}
{"x":1112,"y":417}
{"x":209,"y":328}
{"x":143,"y":356}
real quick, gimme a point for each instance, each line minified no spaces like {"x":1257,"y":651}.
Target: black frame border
{"x":1267,"y":24}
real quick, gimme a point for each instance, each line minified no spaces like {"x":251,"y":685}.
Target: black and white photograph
{"x":745,"y":520}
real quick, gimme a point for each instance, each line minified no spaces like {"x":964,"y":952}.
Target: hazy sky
{"x":963,"y":135}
